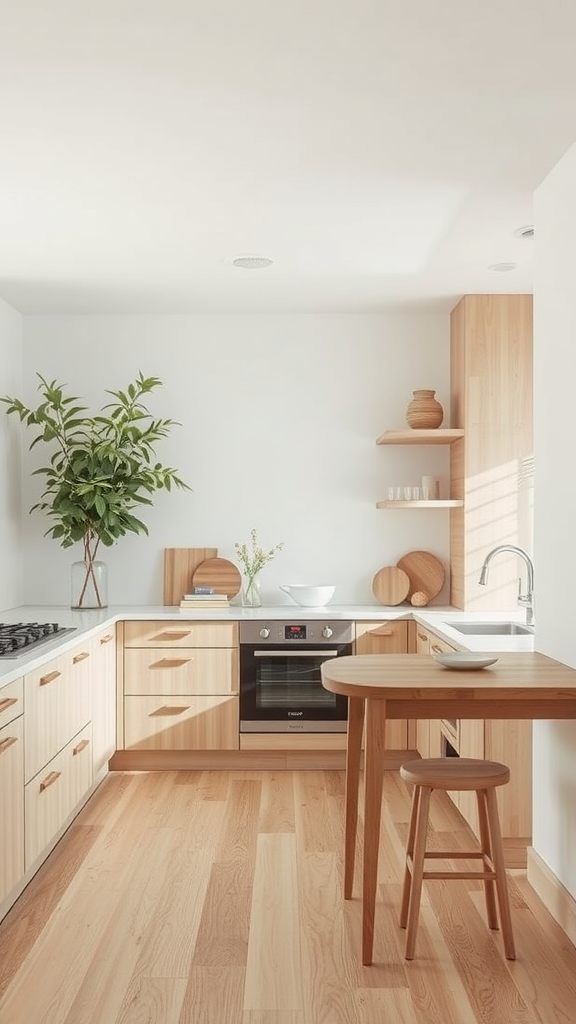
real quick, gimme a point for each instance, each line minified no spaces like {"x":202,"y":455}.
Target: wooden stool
{"x":456,"y":773}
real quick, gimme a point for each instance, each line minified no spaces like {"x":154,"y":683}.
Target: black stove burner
{"x":18,"y":637}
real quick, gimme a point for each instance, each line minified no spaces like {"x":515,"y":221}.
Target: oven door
{"x":281,"y":689}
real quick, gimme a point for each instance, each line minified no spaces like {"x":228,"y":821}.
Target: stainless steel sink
{"x":492,"y":628}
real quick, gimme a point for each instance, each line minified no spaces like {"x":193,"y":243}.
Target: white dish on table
{"x":465,"y":661}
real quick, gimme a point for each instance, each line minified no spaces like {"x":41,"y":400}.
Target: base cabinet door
{"x":11,"y":804}
{"x":186,"y":722}
{"x":103,"y":690}
{"x":53,"y":794}
{"x":386,"y":638}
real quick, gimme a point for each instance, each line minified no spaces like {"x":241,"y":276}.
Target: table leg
{"x":353,"y":755}
{"x":373,"y":777}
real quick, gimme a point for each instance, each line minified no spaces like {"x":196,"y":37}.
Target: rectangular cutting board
{"x":180,"y":565}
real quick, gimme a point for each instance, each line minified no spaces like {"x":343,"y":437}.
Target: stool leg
{"x":417,"y":870}
{"x":485,"y":846}
{"x":500,"y":870}
{"x":409,"y":853}
{"x":353,"y":755}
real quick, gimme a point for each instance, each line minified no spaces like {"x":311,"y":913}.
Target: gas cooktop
{"x":18,"y":638}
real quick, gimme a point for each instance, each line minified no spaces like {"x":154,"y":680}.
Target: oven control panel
{"x":300,"y":631}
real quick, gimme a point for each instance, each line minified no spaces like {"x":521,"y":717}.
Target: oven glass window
{"x":288,"y":682}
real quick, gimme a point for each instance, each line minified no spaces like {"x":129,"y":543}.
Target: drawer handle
{"x":49,"y":780}
{"x":106,"y":639}
{"x":169,"y":710}
{"x":8,"y":742}
{"x":173,"y":634}
{"x":171,"y":662}
{"x":80,"y":657}
{"x":436,"y":649}
{"x":382,"y":631}
{"x":423,"y":636}
{"x":44,"y":680}
{"x":7,"y":703}
{"x":80,"y":747}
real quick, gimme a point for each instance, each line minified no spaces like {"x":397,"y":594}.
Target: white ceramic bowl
{"x":307,"y":596}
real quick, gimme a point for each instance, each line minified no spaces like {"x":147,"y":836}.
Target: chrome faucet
{"x":527,"y":599}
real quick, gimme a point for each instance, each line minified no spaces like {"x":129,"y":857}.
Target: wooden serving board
{"x":219,"y":573}
{"x":425,"y":571}
{"x":180,"y":565}
{"x":391,"y":585}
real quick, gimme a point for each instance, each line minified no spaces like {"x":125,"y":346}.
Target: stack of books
{"x":204,"y":597}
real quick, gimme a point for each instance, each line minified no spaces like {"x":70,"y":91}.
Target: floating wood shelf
{"x":440,"y":503}
{"x":447,"y":436}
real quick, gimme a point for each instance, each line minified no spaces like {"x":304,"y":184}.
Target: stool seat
{"x":455,"y":774}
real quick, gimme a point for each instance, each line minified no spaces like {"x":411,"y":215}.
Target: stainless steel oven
{"x":280,"y":683}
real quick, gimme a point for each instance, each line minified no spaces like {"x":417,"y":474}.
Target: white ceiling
{"x":382,"y":152}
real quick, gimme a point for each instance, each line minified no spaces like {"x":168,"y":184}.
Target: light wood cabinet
{"x":388,"y":637}
{"x":429,"y":731}
{"x":58,"y":705}
{"x":57,"y":744}
{"x":103,"y":695}
{"x":54,"y":793}
{"x":181,"y":686}
{"x":492,"y":466}
{"x":11,"y":794}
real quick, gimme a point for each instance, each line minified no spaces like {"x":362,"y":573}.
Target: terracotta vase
{"x":424,"y":412}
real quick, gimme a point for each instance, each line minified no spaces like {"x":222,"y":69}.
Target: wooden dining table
{"x":412,"y":686}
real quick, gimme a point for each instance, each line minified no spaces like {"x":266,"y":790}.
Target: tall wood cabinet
{"x":492,"y":466}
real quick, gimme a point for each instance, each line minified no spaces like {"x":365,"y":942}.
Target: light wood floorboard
{"x":215,"y":897}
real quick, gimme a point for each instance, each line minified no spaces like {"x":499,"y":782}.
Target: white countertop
{"x":86,"y":623}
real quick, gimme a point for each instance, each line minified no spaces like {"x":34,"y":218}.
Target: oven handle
{"x":295,"y":654}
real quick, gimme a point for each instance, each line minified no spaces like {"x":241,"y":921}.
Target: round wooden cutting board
{"x":390,"y":585}
{"x":425,"y":572}
{"x":220,"y":574}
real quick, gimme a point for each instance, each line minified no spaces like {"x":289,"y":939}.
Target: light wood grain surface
{"x":390,"y":585}
{"x":179,"y":567}
{"x":213,"y":897}
{"x":425,"y":572}
{"x":219,"y":573}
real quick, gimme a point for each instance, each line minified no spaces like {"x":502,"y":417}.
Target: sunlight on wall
{"x":500,"y":506}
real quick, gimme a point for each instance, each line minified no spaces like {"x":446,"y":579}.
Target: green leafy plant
{"x":103,"y":468}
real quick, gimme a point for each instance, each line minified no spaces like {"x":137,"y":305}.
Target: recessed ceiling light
{"x":252,"y":262}
{"x":525,"y":232}
{"x":502,"y":268}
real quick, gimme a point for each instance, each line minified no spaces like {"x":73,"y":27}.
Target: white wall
{"x":10,"y":465}
{"x":555,"y":505}
{"x":279,"y":419}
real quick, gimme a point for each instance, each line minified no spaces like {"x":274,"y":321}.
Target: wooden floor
{"x":216,"y":898}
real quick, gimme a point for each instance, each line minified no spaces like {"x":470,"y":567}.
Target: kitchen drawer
{"x":382,"y":637}
{"x":12,"y":805}
{"x":11,"y":701}
{"x":439,"y":646}
{"x":55,"y":792}
{"x":157,"y":671}
{"x":185,"y":722}
{"x":181,"y":634}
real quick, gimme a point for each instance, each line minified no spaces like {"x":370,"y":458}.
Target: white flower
{"x":255,"y":559}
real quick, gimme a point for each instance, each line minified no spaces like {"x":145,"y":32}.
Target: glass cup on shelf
{"x":394,"y":493}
